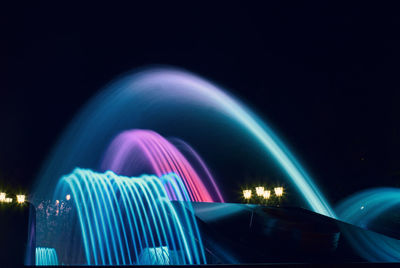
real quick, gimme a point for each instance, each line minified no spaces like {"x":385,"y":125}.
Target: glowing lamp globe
{"x":260,"y":191}
{"x":247,"y":194}
{"x":20,"y":199}
{"x":2,"y":197}
{"x":267,"y":194}
{"x":278,"y":191}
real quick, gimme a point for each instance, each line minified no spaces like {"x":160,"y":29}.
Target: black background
{"x":324,"y":75}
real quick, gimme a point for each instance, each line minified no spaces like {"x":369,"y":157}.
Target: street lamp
{"x":260,"y":190}
{"x":267,"y":194}
{"x":247,"y":194}
{"x":8,"y":200}
{"x":2,"y":197}
{"x":278,"y":191}
{"x":20,"y":198}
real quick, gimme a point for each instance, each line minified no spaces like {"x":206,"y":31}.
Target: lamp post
{"x":278,"y":192}
{"x":247,"y":194}
{"x":267,"y":195}
{"x":20,"y":199}
{"x":262,"y":196}
{"x":260,"y":191}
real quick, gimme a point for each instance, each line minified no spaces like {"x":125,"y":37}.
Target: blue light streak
{"x":360,"y":209}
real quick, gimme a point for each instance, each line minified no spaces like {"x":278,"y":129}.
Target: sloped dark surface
{"x":240,"y":233}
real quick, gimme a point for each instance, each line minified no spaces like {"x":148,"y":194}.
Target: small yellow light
{"x":2,"y":197}
{"x":267,"y":194}
{"x":20,"y":198}
{"x":278,"y":191}
{"x":68,"y":197}
{"x":8,"y":200}
{"x":259,"y":190}
{"x":247,"y":194}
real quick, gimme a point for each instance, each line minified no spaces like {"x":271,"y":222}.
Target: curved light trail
{"x":128,"y":103}
{"x":133,"y":149}
{"x":360,"y":209}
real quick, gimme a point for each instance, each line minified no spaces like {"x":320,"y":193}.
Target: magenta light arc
{"x":131,"y":148}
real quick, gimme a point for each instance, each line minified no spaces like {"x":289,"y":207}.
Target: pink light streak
{"x":147,"y":151}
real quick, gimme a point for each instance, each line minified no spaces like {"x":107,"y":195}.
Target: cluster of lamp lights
{"x":67,"y":197}
{"x":5,"y":199}
{"x":262,"y":192}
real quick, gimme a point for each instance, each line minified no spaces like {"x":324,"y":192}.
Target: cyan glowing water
{"x":162,"y":97}
{"x":362,"y":208}
{"x":125,"y":220}
{"x":46,"y":256}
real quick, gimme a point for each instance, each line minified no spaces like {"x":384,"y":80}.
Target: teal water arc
{"x":361,"y":209}
{"x":125,"y":103}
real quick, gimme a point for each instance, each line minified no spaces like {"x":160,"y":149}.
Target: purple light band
{"x":135,"y":150}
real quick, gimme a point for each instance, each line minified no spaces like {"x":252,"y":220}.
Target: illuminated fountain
{"x":46,"y":256}
{"x":143,"y":151}
{"x":124,"y":220}
{"x":174,"y":103}
{"x":114,"y":225}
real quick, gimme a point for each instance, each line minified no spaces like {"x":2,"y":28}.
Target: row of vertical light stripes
{"x":46,"y":256}
{"x":120,"y":217}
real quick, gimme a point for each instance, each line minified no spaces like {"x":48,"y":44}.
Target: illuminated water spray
{"x":362,"y":208}
{"x":132,"y":220}
{"x":46,"y":256}
{"x":125,"y":220}
{"x":158,"y":99}
{"x":136,"y":150}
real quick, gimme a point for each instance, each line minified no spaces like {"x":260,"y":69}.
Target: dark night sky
{"x":325,"y":76}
